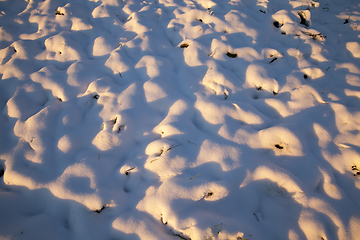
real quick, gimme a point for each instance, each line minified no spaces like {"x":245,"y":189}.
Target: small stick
{"x":326,"y":91}
{"x":99,"y":155}
{"x":128,"y":171}
{"x":100,"y":210}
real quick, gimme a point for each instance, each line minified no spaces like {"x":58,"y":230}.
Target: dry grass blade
{"x":221,"y":228}
{"x":326,"y":91}
{"x":194,"y":176}
{"x":163,"y":151}
{"x":173,"y":146}
{"x":154,"y":160}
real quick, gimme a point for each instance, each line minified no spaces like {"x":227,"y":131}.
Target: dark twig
{"x":100,"y":210}
{"x":128,"y":171}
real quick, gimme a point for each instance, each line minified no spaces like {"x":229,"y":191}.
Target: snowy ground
{"x":180,"y":119}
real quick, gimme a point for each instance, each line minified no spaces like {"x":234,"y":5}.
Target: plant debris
{"x":277,"y":24}
{"x":184,"y":45}
{"x":273,"y":60}
{"x":57,"y":12}
{"x":163,"y":151}
{"x":221,"y":228}
{"x":207,"y":195}
{"x":180,"y":236}
{"x":113,"y":121}
{"x":127,"y":172}
{"x":100,"y":210}
{"x":356,"y":170}
{"x":326,"y":91}
{"x":172,"y":146}
{"x":162,"y":220}
{"x":303,"y":20}
{"x":194,"y":176}
{"x":314,"y":36}
{"x":120,"y":128}
{"x":231,"y":55}
{"x":279,"y":146}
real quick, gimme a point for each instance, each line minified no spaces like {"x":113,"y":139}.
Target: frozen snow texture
{"x":179,"y":119}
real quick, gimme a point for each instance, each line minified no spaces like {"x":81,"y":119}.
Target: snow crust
{"x":179,"y":119}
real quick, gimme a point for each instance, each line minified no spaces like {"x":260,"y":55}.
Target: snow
{"x":179,"y":119}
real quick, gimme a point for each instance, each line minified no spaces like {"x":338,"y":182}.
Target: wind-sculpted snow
{"x":179,"y":119}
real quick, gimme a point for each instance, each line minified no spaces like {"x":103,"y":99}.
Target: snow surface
{"x":180,"y":119}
